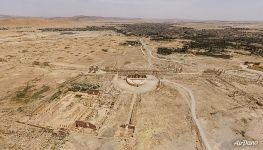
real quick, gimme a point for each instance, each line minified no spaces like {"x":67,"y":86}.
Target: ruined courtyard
{"x":93,"y":86}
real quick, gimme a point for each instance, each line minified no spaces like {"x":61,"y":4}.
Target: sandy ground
{"x":39,"y":111}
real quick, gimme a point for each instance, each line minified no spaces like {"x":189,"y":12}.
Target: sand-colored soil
{"x":39,"y":109}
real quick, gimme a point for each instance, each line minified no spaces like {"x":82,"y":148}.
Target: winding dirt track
{"x":187,"y":92}
{"x":150,"y":55}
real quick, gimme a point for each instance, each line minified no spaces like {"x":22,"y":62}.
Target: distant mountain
{"x":100,"y":18}
{"x":74,"y":18}
{"x":91,"y":18}
{"x":4,"y":16}
{"x":12,"y":17}
{"x":6,"y":20}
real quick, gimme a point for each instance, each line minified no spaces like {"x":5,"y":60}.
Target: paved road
{"x":189,"y":94}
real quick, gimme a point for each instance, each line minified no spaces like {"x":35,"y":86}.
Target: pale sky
{"x":159,"y":9}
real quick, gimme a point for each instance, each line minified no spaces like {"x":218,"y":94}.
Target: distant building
{"x":83,"y":124}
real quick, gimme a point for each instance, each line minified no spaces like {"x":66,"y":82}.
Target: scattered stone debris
{"x":214,"y":71}
{"x":3,"y":60}
{"x":105,"y":50}
{"x":37,"y":63}
{"x":93,"y":92}
{"x":64,"y":102}
{"x":24,"y":51}
{"x":128,"y":126}
{"x":61,"y":134}
{"x":3,"y":28}
{"x":93,"y":69}
{"x":41,"y":64}
{"x":137,"y":76}
{"x":254,"y":65}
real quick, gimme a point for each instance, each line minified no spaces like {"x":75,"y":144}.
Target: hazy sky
{"x":181,"y":9}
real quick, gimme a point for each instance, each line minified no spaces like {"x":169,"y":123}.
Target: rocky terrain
{"x":129,"y":85}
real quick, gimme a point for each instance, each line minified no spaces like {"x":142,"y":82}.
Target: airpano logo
{"x":243,"y":143}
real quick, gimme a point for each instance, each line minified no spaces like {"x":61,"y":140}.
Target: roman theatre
{"x":136,"y":83}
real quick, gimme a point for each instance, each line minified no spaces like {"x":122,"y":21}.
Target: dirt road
{"x":150,"y":55}
{"x":188,"y":93}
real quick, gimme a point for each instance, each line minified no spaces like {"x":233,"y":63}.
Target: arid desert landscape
{"x":90,"y":83}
